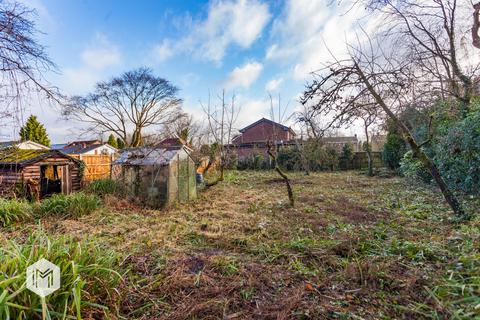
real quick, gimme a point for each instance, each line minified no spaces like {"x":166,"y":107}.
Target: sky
{"x":250,"y":48}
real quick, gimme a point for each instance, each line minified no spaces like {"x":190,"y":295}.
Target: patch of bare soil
{"x":354,"y":212}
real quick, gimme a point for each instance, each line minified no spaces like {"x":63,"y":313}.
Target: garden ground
{"x":353,"y":247}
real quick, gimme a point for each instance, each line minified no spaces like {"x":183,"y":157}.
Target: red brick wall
{"x":263,"y":132}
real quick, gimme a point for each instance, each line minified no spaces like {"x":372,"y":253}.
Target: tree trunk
{"x":418,"y":152}
{"x":476,"y":25}
{"x":283,"y":175}
{"x":368,"y":150}
{"x":136,"y":138}
{"x":370,"y":163}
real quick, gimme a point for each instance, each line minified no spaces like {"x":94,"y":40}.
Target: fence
{"x":96,"y":166}
{"x":360,"y":160}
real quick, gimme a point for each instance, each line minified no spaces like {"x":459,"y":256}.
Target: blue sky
{"x":249,"y":47}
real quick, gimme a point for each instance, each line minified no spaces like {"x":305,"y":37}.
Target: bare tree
{"x":221,"y":119}
{"x":185,"y":128}
{"x":428,"y":34}
{"x":128,"y":104}
{"x":272,"y":147}
{"x":370,"y":74}
{"x":23,"y":61}
{"x":368,"y":113}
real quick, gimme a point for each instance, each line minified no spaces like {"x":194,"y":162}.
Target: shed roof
{"x":23,"y":157}
{"x":148,"y":156}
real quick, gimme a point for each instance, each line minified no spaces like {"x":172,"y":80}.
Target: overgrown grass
{"x":13,"y":210}
{"x":88,"y":280}
{"x":103,"y":187}
{"x":353,"y":247}
{"x":73,"y":205}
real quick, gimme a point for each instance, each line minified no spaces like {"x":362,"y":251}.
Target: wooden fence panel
{"x":97,"y":166}
{"x":360,"y":160}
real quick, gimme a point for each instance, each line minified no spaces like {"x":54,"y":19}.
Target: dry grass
{"x":352,"y":247}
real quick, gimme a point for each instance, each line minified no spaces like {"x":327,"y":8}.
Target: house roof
{"x":171,"y":142}
{"x":22,"y":157}
{"x":285,"y":128}
{"x":84,"y":142}
{"x":6,"y":144}
{"x":80,"y":149}
{"x":58,"y":146}
{"x":148,"y":156}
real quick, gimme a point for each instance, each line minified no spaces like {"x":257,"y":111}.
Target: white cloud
{"x":244,"y":76}
{"x":163,"y":51}
{"x":101,"y":54}
{"x":307,"y":33}
{"x":97,"y":59}
{"x":44,"y":20}
{"x":273,"y":84}
{"x":238,"y":22}
{"x":252,"y":110}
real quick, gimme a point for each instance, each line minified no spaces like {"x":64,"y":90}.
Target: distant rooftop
{"x":267,"y":121}
{"x":57,"y":146}
{"x":81,"y":148}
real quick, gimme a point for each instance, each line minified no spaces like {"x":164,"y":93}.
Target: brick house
{"x":253,"y":139}
{"x":264,"y":130}
{"x":338,"y":143}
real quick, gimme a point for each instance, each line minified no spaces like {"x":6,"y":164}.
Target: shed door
{"x":66,"y":181}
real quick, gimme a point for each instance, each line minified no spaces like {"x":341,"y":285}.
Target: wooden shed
{"x":38,"y":172}
{"x":157,"y":176}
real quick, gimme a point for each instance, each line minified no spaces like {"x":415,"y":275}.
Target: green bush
{"x":88,"y":281}
{"x":289,"y":158}
{"x":346,"y":157}
{"x":73,"y":205}
{"x":457,"y":152}
{"x":13,"y":210}
{"x":103,"y":187}
{"x":394,"y":148}
{"x":413,"y":168}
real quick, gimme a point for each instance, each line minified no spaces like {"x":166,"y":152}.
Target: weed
{"x":88,"y":281}
{"x":227,"y":265}
{"x":73,"y":205}
{"x":14,"y":210}
{"x":103,"y":187}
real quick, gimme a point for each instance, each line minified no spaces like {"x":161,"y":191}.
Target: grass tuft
{"x":73,"y":205}
{"x":14,"y":210}
{"x":103,"y":187}
{"x":88,"y":281}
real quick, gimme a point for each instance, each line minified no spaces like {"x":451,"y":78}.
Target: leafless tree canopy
{"x":186,"y":128}
{"x":221,"y":119}
{"x":23,"y":61}
{"x":380,"y":78}
{"x":127,"y":105}
{"x":430,"y":35}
